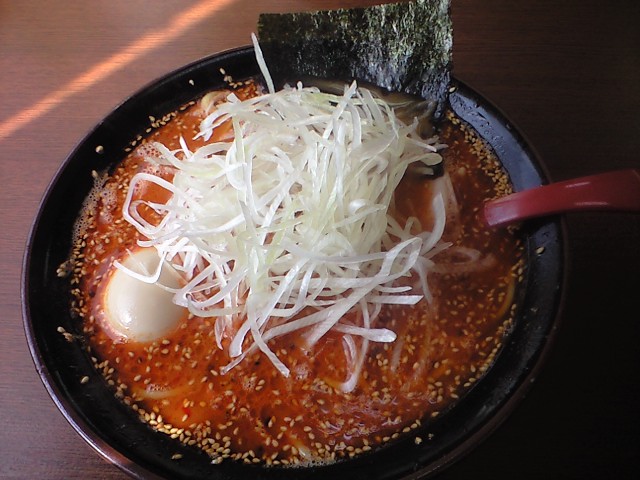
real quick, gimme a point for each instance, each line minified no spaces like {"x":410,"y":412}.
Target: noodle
{"x":308,"y":361}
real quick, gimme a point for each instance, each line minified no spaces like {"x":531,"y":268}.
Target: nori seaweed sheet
{"x":401,"y":47}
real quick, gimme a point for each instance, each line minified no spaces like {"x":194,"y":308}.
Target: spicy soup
{"x":178,"y":382}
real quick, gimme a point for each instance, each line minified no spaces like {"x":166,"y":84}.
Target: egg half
{"x":141,"y":311}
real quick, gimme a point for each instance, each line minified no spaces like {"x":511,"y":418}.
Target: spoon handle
{"x":616,"y":191}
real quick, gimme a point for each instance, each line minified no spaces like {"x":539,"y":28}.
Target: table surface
{"x":566,"y":73}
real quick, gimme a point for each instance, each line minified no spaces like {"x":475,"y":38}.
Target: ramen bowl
{"x":115,"y":431}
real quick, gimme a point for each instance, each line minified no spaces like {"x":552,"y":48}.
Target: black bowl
{"x":115,"y":431}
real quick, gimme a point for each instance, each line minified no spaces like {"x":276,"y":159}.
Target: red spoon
{"x":616,"y":191}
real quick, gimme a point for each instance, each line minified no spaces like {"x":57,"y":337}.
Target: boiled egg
{"x":141,"y":311}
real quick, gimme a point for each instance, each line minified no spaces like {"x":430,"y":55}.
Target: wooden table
{"x":567,"y":73}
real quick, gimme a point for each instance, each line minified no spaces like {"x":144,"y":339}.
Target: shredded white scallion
{"x":287,"y":226}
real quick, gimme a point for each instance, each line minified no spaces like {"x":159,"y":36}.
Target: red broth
{"x":253,"y":413}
